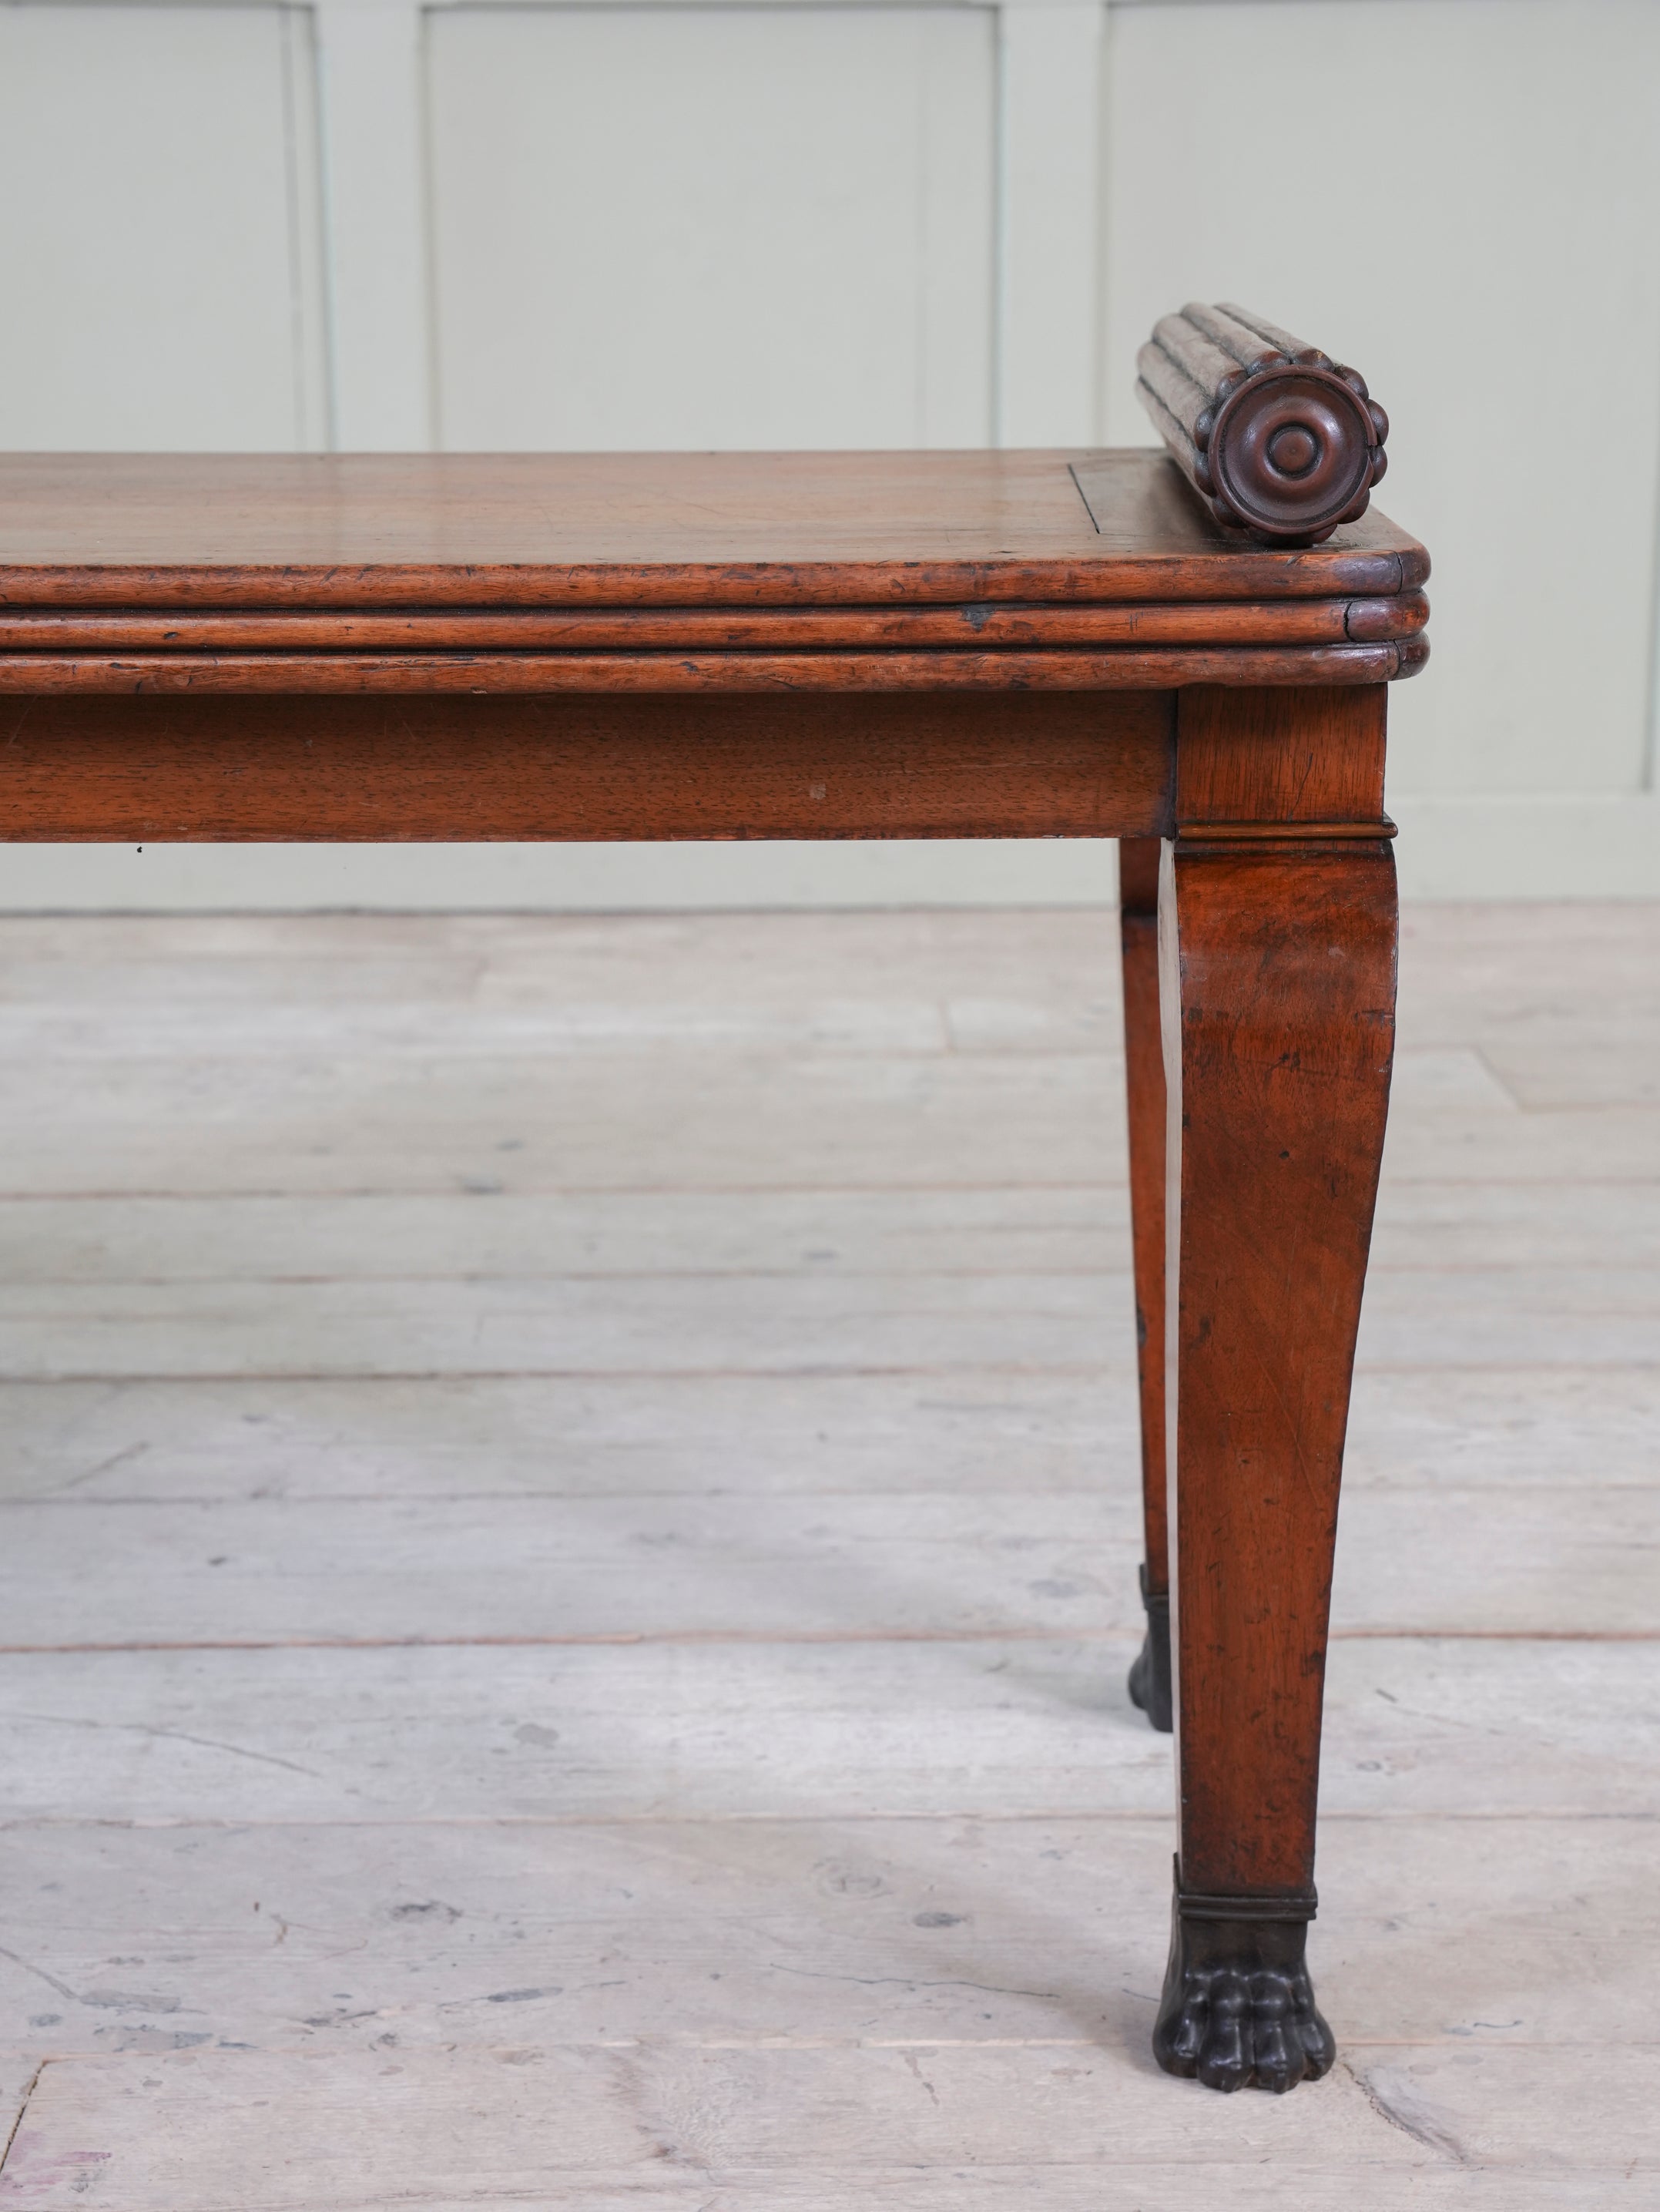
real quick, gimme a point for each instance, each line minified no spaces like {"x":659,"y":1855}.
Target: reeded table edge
{"x":507,"y":674}
{"x":1128,"y":579}
{"x":980,"y":627}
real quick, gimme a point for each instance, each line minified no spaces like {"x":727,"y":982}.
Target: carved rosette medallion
{"x":1277,"y":439}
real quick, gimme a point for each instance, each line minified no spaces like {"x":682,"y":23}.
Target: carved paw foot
{"x":1149,"y":1675}
{"x":1238,"y":2010}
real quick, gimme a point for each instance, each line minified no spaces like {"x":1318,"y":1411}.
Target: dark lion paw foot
{"x":1149,"y":1673}
{"x":1238,"y":2011}
{"x":1233,"y":2029}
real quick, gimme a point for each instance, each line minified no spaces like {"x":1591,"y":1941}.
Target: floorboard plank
{"x":1040,"y":1232}
{"x":727,"y":1120}
{"x":189,"y":2132}
{"x":1561,"y":1562}
{"x":184,"y":2132}
{"x":680,"y":1322}
{"x":1422,"y":1228}
{"x":1414,"y":1726}
{"x":390,"y":1935}
{"x":685,"y":1435}
{"x":757,"y":1435}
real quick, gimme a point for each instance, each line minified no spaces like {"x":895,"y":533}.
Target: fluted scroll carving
{"x":1277,"y":438}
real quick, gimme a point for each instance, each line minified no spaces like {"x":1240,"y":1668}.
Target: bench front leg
{"x":1277,"y":946}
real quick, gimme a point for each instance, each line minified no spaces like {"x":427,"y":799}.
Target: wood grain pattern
{"x":1277,"y":941}
{"x":1279,"y":986}
{"x":1288,"y":757}
{"x":496,"y":674}
{"x":1371,"y":548}
{"x":984,"y":624}
{"x":579,"y":767}
{"x":362,"y":531}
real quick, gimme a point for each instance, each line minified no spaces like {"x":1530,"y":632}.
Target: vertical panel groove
{"x":313,"y":345}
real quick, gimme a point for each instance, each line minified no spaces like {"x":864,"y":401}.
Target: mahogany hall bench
{"x":1185,"y":650}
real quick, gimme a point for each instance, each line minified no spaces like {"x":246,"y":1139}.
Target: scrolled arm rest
{"x":1277,"y":437}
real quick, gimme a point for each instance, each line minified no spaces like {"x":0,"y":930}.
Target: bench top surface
{"x":786,"y":530}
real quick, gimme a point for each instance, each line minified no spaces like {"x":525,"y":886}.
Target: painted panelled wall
{"x":376,"y":224}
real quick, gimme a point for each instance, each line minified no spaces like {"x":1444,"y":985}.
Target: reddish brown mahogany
{"x":1271,"y":431}
{"x":335,"y":533}
{"x":1277,"y":950}
{"x":496,"y":674}
{"x":107,"y":633}
{"x":1138,"y":927}
{"x":579,"y":767}
{"x":1278,"y":988}
{"x":866,"y":646}
{"x":1282,"y":974}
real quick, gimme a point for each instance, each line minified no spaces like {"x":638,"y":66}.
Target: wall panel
{"x":1461,"y":197}
{"x":712,"y":227}
{"x":158,"y":257}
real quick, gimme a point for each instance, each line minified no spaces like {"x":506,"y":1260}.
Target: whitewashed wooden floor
{"x":569,"y":1564}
